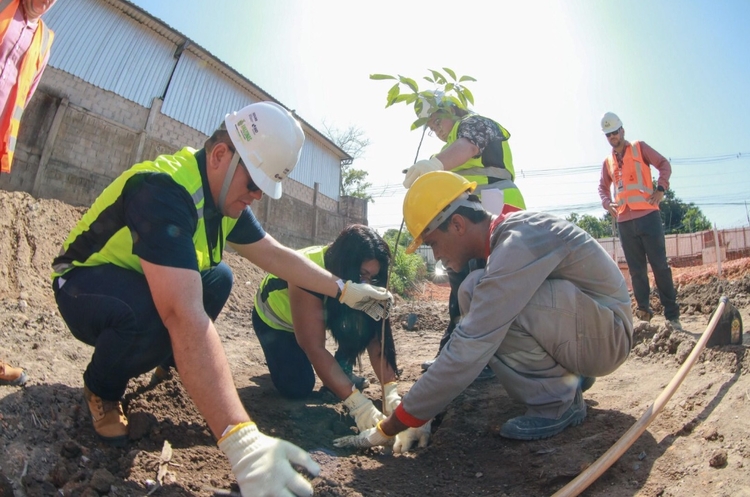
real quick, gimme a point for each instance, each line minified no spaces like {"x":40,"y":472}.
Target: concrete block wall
{"x":76,"y":138}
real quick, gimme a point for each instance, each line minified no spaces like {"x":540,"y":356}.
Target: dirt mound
{"x":695,"y":447}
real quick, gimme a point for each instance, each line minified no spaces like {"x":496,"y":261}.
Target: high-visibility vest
{"x":633,"y":184}
{"x":102,"y":237}
{"x":272,"y":298}
{"x":31,"y":65}
{"x":502,"y":174}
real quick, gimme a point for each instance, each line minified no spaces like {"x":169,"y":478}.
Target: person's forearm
{"x":391,"y":426}
{"x":387,"y":374}
{"x":330,"y":373}
{"x":457,"y":153}
{"x":204,"y":370}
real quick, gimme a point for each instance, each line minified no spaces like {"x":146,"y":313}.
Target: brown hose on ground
{"x":589,"y":476}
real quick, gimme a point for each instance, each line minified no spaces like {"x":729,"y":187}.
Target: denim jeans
{"x":642,"y":239}
{"x":111,"y":308}
{"x":291,"y":371}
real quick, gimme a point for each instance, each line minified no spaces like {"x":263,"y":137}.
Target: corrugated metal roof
{"x":116,"y":54}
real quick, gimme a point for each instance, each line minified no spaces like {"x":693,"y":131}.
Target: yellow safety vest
{"x":111,"y":242}
{"x":475,"y":170}
{"x":272,"y":298}
{"x":633,"y":185}
{"x":30,"y":67}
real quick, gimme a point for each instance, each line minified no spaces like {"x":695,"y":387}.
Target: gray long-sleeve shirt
{"x":526,"y":248}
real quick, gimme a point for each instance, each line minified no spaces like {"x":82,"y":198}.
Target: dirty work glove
{"x":420,"y":168}
{"x":365,"y":440}
{"x":406,"y":438}
{"x":373,"y":300}
{"x":392,"y":399}
{"x":263,"y":465}
{"x":363,"y":411}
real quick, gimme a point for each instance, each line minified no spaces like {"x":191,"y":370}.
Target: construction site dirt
{"x":699,"y":445}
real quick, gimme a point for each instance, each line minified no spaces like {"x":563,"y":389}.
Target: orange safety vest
{"x":633,"y":184}
{"x":30,"y":67}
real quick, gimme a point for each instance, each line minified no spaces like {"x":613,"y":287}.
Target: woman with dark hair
{"x":291,"y":324}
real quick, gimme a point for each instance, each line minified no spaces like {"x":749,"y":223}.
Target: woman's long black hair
{"x":353,"y":330}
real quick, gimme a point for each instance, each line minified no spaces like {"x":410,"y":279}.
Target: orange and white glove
{"x":366,"y":439}
{"x":263,"y":464}
{"x":392,"y":398}
{"x":373,"y":300}
{"x":421,"y":167}
{"x":364,"y":412}
{"x":405,"y":440}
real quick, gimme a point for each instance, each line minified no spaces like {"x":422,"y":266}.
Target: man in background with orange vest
{"x":636,"y":209}
{"x":24,"y":52}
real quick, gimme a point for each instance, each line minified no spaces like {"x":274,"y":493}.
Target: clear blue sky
{"x":676,"y":72}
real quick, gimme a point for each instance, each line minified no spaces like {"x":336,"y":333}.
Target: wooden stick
{"x":589,"y":476}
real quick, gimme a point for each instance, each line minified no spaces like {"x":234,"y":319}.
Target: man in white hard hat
{"x":140,"y":278}
{"x":636,"y":209}
{"x":549,"y":313}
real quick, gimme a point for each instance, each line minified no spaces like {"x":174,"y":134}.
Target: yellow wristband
{"x":380,"y":430}
{"x":232,"y":428}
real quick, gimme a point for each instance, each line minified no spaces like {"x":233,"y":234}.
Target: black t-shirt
{"x":162,"y":218}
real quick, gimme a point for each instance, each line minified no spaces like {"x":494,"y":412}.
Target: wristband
{"x":340,"y":284}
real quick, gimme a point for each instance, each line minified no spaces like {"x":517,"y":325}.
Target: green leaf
{"x":449,"y":87}
{"x":410,"y":83}
{"x":439,"y":78}
{"x":419,"y":123}
{"x":466,"y":78}
{"x":404,"y":97}
{"x":450,"y":72}
{"x":469,"y":96}
{"x":427,"y":78}
{"x":411,"y":98}
{"x":381,"y":76}
{"x":393,"y":93}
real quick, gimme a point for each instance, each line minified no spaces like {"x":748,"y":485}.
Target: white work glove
{"x":263,"y":465}
{"x":392,"y":399}
{"x":364,"y":412}
{"x":373,"y":300}
{"x":421,"y":167}
{"x":365,"y":440}
{"x":406,"y":438}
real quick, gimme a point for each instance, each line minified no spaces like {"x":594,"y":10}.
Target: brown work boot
{"x":12,"y":376}
{"x":109,"y":421}
{"x":160,"y":374}
{"x":644,"y":315}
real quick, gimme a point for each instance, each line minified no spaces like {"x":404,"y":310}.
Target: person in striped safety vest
{"x":639,"y":223}
{"x":24,"y":52}
{"x":478,"y":149}
{"x":141,"y":279}
{"x":291,"y":325}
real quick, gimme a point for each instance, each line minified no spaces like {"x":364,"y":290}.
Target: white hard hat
{"x":269,"y":140}
{"x":431,"y":101}
{"x":610,"y":122}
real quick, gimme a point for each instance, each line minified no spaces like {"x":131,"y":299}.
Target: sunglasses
{"x":612,"y":133}
{"x":251,"y":186}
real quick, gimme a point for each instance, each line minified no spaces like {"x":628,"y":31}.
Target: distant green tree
{"x":681,"y":217}
{"x":598,"y":228}
{"x":408,"y":269}
{"x":353,"y":141}
{"x":404,"y":240}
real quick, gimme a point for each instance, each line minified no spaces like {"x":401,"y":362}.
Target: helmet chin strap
{"x":227,"y":181}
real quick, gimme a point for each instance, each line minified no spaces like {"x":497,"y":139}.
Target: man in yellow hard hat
{"x":141,"y":279}
{"x":549,"y":313}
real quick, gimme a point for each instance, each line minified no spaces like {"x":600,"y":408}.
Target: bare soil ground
{"x":699,"y":445}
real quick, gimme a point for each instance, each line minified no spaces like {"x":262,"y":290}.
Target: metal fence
{"x":689,"y":249}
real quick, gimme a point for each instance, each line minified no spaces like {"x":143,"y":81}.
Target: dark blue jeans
{"x":642,"y":239}
{"x":291,"y":371}
{"x":111,"y":308}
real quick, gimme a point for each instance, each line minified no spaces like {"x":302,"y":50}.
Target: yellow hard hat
{"x":427,"y":197}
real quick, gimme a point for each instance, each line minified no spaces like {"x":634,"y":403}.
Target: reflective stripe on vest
{"x":110,"y":241}
{"x":633,"y":184}
{"x":272,"y":298}
{"x":31,"y":65}
{"x":474,"y":170}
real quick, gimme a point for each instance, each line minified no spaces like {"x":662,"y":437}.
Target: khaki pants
{"x":560,"y":335}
